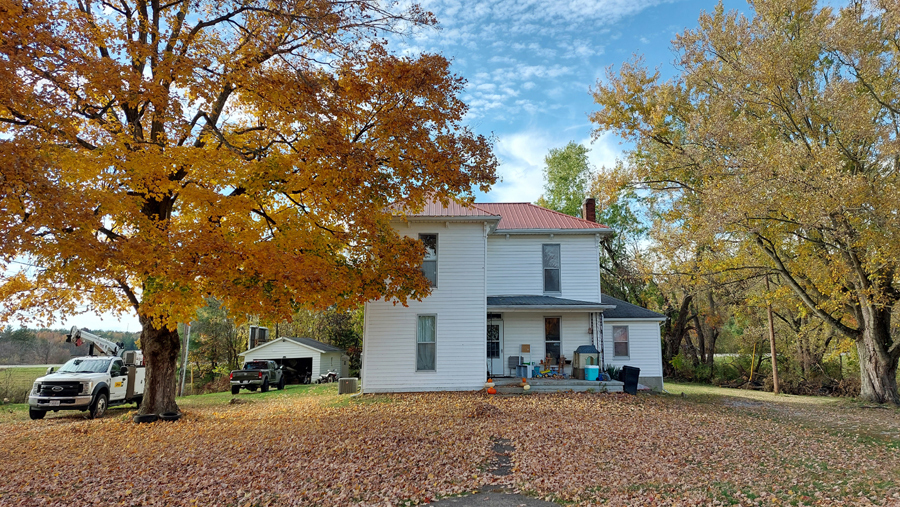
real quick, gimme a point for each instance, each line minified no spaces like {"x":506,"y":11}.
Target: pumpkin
{"x":491,"y":390}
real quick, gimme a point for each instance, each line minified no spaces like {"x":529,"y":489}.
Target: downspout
{"x":602,"y":353}
{"x":487,"y":229}
{"x":362,"y":366}
{"x":661,"y":376}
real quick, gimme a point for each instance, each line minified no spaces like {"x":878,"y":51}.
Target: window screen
{"x":551,"y":268}
{"x":429,"y":263}
{"x":425,"y":342}
{"x":620,"y":341}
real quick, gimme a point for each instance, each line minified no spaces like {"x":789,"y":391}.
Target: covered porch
{"x":531,"y":335}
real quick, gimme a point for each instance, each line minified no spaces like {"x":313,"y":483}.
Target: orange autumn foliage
{"x":155,"y":154}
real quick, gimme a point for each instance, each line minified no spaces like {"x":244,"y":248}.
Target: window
{"x":552,"y":338}
{"x":551,"y":268}
{"x":116,"y":370}
{"x":425,"y":343}
{"x":620,"y":341}
{"x":429,"y":264}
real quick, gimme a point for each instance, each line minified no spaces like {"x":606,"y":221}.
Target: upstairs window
{"x":429,"y":263}
{"x":551,"y":268}
{"x":620,"y":341}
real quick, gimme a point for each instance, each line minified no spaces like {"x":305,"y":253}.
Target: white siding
{"x":459,"y":302}
{"x":644,"y":346}
{"x":515,"y":265}
{"x":329,"y":361}
{"x":528,"y":329}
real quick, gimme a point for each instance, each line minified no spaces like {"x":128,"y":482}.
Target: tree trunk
{"x":160,"y":347}
{"x":675,"y":329}
{"x":711,"y":349}
{"x":877,"y":360}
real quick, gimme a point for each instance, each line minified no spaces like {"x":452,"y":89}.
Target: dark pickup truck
{"x":257,"y":374}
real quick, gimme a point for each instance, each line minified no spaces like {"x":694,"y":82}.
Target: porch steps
{"x":511,"y":386}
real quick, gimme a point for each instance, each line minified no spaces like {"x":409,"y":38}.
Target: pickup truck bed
{"x":257,"y":375}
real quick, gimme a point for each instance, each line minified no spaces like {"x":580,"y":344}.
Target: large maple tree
{"x":775,"y":150}
{"x":154,"y":153}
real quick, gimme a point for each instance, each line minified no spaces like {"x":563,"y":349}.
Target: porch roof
{"x":626,"y":310}
{"x":532,"y":303}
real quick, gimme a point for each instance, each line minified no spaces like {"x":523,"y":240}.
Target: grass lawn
{"x":308,"y":446}
{"x":17,"y":381}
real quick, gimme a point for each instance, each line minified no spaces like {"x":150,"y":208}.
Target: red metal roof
{"x":453,"y":209}
{"x":524,"y":215}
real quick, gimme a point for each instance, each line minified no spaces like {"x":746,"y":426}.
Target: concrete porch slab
{"x":511,"y":385}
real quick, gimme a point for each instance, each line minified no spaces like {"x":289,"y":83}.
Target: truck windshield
{"x":257,"y":365}
{"x":85,"y":366}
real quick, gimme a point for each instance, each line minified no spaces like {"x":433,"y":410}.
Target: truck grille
{"x":57,"y":389}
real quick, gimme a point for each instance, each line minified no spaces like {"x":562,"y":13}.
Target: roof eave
{"x":439,"y":218}
{"x":556,"y":308}
{"x":606,"y":231}
{"x":655,"y":319}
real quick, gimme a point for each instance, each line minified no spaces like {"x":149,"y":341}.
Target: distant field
{"x":15,"y":382}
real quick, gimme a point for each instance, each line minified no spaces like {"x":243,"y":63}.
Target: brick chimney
{"x":588,"y":209}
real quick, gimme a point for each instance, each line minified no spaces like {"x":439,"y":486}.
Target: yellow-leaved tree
{"x":154,"y":153}
{"x":776,"y":148}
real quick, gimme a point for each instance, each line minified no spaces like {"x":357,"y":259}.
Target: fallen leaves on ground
{"x":585,"y":449}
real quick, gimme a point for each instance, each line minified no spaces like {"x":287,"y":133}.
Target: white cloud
{"x":605,"y":150}
{"x":522,"y":155}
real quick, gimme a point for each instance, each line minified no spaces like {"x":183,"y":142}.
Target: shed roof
{"x":524,"y":215}
{"x":304,"y":342}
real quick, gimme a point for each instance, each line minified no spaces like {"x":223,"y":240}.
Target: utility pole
{"x":187,"y":346}
{"x":775,"y":387}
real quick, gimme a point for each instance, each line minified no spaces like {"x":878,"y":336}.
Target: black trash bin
{"x":629,"y":376}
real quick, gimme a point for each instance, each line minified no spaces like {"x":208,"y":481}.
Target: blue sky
{"x":530,"y":65}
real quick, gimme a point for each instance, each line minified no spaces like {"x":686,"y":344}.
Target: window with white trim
{"x":620,"y":341}
{"x":551,"y":268}
{"x":429,"y":263}
{"x":425,"y":343}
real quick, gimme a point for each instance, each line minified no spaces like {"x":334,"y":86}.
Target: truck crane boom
{"x":102,"y":345}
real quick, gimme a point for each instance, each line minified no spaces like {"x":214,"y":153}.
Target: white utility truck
{"x":92,"y":383}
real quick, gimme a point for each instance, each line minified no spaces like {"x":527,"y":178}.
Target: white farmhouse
{"x":512,"y":283}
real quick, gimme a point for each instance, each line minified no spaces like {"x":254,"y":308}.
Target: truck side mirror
{"x":49,"y":370}
{"x":124,"y":371}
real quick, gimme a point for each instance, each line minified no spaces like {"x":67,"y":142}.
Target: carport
{"x":303,"y":358}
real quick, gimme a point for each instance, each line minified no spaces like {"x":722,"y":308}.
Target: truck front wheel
{"x":235,"y":389}
{"x":281,"y":382}
{"x":265,"y":386}
{"x":98,"y":407}
{"x":35,"y":414}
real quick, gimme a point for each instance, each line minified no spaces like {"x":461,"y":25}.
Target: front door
{"x":495,"y":348}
